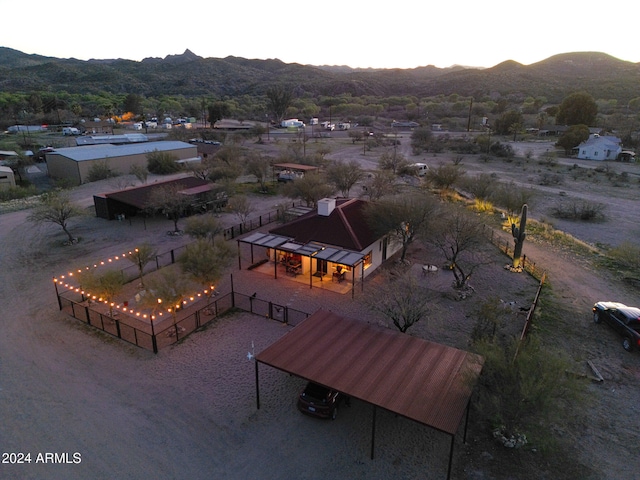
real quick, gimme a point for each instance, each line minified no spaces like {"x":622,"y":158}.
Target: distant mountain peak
{"x":187,"y":56}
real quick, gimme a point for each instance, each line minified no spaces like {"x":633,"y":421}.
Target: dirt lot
{"x":189,"y":412}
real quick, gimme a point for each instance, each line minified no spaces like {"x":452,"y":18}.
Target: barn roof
{"x":139,"y":196}
{"x":420,"y":380}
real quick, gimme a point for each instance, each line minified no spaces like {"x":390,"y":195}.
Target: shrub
{"x":100,"y":171}
{"x":626,"y":255}
{"x":579,"y":210}
{"x":13,"y":193}
{"x":162,"y":163}
{"x":530,"y":393}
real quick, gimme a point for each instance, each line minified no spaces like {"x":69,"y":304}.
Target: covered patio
{"x":313,"y":263}
{"x":420,"y":380}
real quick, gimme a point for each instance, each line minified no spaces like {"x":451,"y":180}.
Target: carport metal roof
{"x":424,"y":381}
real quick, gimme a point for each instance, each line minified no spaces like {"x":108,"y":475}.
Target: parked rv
{"x":70,"y":131}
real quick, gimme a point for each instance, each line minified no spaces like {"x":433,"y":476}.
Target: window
{"x":367,"y":259}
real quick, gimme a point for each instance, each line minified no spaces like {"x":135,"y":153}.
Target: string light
{"x":124,"y":308}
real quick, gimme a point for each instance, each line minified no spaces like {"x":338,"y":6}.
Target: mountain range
{"x":601,"y":75}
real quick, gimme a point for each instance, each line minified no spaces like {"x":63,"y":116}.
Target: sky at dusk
{"x":357,"y":34}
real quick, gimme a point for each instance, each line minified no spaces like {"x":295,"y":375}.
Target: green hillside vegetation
{"x":37,"y":89}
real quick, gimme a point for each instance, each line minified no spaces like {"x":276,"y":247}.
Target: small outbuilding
{"x":7,"y":178}
{"x":74,"y":163}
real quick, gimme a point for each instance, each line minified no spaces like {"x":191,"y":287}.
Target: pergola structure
{"x":282,"y":246}
{"x":423,"y":381}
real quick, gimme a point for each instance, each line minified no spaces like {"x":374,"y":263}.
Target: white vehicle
{"x":70,"y":131}
{"x":421,"y":168}
{"x":313,"y":121}
{"x":344,"y":126}
{"x":137,"y":126}
{"x":292,"y":122}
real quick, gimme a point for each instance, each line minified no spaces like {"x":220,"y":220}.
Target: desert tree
{"x":241,"y":207}
{"x":204,"y":227}
{"x":379,"y":184}
{"x":259,"y":166}
{"x":279,"y":98}
{"x":310,"y":188}
{"x":170,"y":201}
{"x":574,"y":136}
{"x":205,"y":262}
{"x":579,"y":108}
{"x":392,"y":161}
{"x":524,"y":390}
{"x":140,"y":257}
{"x":405,"y":217}
{"x":166,"y":291}
{"x":56,"y":207}
{"x":344,"y":175}
{"x":140,"y":172}
{"x":445,"y":175}
{"x":400,"y":298}
{"x":217,"y":111}
{"x":459,"y":236}
{"x":420,"y":140}
{"x":105,"y":287}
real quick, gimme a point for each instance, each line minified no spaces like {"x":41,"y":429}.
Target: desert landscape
{"x":190,"y":411}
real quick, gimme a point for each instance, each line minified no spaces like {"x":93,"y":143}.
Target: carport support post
{"x":373,"y":430}
{"x":453,"y":439}
{"x":257,"y":386}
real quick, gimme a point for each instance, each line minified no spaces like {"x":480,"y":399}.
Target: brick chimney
{"x":326,"y":206}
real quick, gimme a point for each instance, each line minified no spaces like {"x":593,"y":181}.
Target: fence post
{"x":173,"y":258}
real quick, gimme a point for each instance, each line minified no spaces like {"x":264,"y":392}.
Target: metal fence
{"x":154,"y":334}
{"x":252,"y":224}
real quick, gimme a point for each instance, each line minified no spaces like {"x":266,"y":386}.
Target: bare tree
{"x":380,"y":184}
{"x":170,"y":201}
{"x":241,"y":207}
{"x":345,"y":175}
{"x":140,"y":257}
{"x":459,"y":237}
{"x":56,"y":207}
{"x":403,"y":216}
{"x":400,"y":298}
{"x":311,"y":188}
{"x":392,"y":161}
{"x":203,"y":227}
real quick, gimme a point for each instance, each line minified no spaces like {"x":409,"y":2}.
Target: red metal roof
{"x":421,"y":380}
{"x":139,"y":196}
{"x":345,"y":227}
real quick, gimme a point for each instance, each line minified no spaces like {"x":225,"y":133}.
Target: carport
{"x":423,"y":381}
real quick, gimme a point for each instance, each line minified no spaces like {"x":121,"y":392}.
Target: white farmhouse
{"x":599,"y":147}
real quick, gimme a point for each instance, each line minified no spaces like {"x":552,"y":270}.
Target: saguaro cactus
{"x":518,"y":236}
